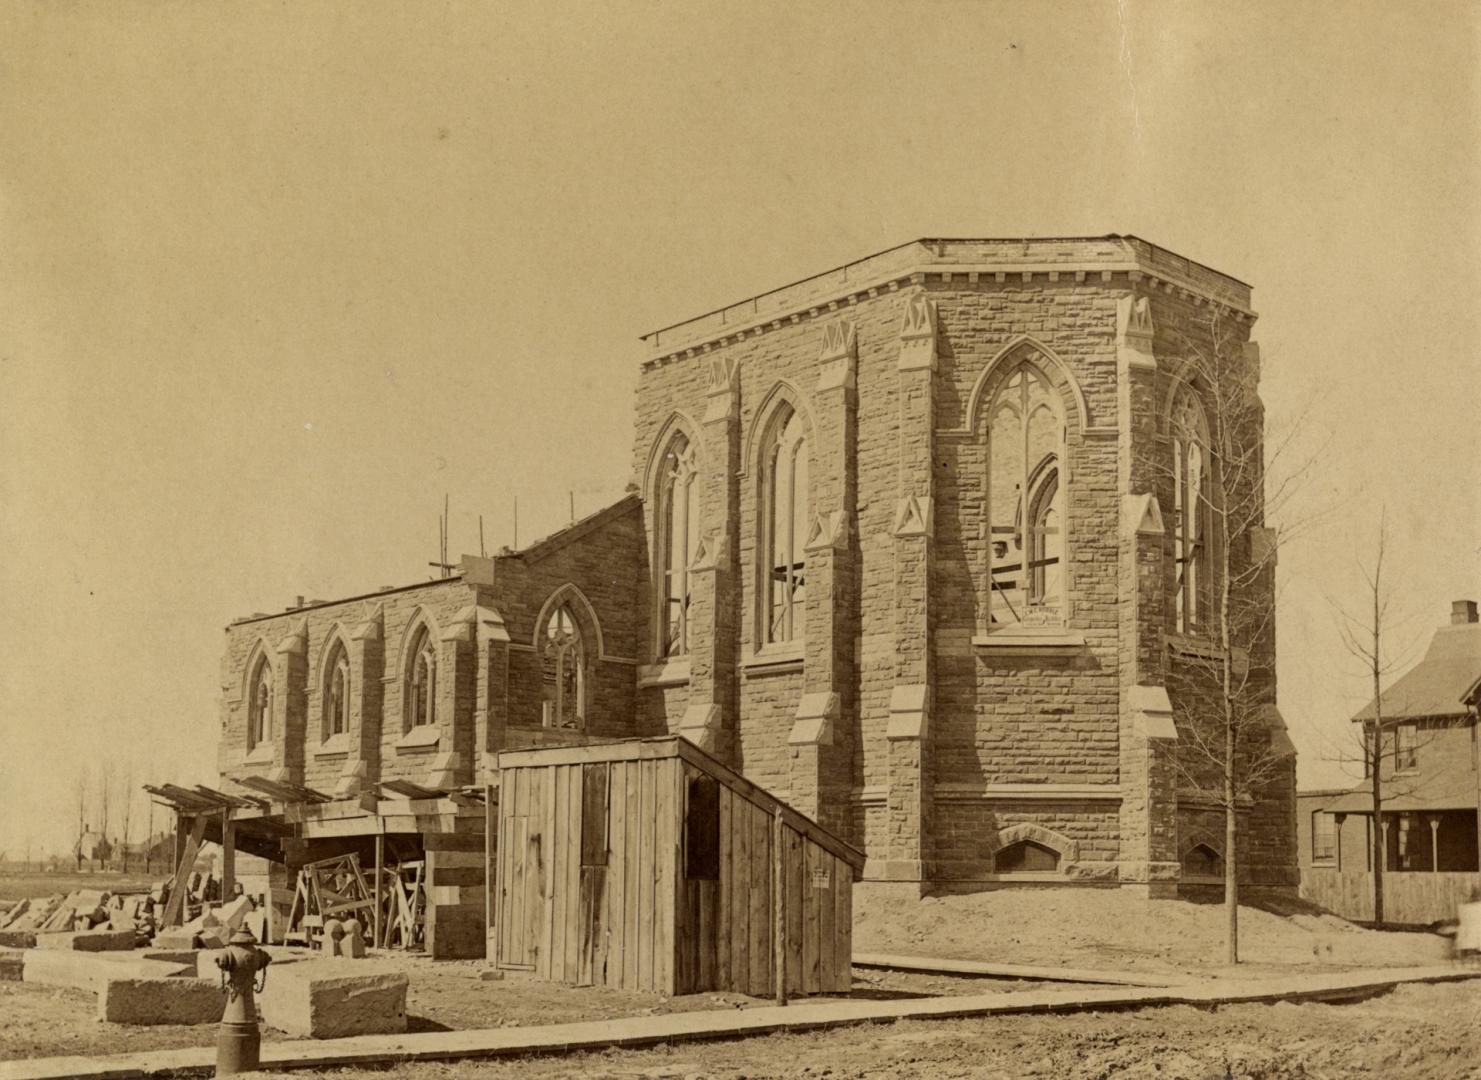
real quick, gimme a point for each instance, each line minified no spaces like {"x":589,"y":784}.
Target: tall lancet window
{"x":421,"y":697}
{"x":678,"y":500}
{"x":563,"y":672}
{"x":1192,"y":514}
{"x":337,"y":692}
{"x":1025,"y":502}
{"x":785,"y":513}
{"x":260,"y":706}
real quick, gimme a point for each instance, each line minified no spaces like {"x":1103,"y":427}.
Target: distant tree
{"x":82,"y":786}
{"x":105,"y":785}
{"x":128,"y":809}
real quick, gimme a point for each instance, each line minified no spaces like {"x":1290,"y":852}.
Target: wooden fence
{"x":1415,"y":899}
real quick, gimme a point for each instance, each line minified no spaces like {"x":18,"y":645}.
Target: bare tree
{"x":128,"y":809}
{"x":1225,"y":478}
{"x":82,"y":786}
{"x":104,"y":788}
{"x":1366,"y":634}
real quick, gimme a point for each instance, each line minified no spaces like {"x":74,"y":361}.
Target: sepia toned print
{"x":719,"y":541}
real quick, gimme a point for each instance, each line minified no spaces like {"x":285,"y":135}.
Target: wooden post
{"x":380,"y":863}
{"x":779,"y":901}
{"x":182,"y":832}
{"x":1434,"y":845}
{"x":1337,"y":820}
{"x":228,"y":855}
{"x":490,"y":823}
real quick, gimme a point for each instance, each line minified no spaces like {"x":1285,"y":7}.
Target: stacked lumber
{"x":36,"y":913}
{"x":80,"y":910}
{"x":13,"y":913}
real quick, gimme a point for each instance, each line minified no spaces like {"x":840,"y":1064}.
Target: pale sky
{"x":277,"y":276}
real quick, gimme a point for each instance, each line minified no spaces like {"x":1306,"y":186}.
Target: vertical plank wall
{"x":592,"y":886}
{"x":726,"y":926}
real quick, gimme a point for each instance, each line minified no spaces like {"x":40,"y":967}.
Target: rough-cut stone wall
{"x":297,"y":644}
{"x":1075,"y":737}
{"x":483,"y":626}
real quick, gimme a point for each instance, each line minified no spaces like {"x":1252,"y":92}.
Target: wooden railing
{"x":1415,"y":899}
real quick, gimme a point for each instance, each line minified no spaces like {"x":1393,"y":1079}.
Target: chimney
{"x":1462,"y":611}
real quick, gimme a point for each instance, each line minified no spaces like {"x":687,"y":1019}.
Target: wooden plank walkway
{"x":930,"y":965}
{"x":638,"y":1032}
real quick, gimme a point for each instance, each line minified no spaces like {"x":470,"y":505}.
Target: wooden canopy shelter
{"x":292,"y":827}
{"x":646,"y":864}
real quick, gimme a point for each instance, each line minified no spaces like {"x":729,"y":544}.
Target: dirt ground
{"x":17,"y":886}
{"x":45,"y":1021}
{"x":1414,"y":1033}
{"x":1102,"y":929}
{"x":1109,"y":929}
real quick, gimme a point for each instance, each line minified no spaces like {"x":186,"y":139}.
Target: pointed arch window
{"x":260,"y":706}
{"x":785,"y":517}
{"x":336,"y":692}
{"x":1192,"y":514}
{"x":563,"y":671}
{"x":1025,"y":502}
{"x":678,"y":501}
{"x":421,"y":692}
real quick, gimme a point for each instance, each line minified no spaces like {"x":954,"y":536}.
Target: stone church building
{"x":909,"y":544}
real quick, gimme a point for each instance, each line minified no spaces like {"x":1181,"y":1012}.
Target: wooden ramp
{"x":930,"y":965}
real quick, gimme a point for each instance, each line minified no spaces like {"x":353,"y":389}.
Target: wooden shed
{"x":646,"y":864}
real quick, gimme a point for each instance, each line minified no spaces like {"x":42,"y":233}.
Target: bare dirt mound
{"x":1111,"y":929}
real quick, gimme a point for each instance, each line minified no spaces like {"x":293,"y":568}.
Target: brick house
{"x":905,"y":546}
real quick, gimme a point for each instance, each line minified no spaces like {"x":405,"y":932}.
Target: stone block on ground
{"x":17,"y":939}
{"x":176,"y":939}
{"x":88,"y":940}
{"x":85,"y":971}
{"x":160,"y":1001}
{"x":317,"y":999}
{"x":233,"y":912}
{"x":12,"y":966}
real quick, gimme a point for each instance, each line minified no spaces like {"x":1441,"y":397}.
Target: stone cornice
{"x":944,"y":261}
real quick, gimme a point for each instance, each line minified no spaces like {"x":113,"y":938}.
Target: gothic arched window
{"x":1192,"y":514}
{"x":563,"y":671}
{"x":260,"y":706}
{"x":1025,"y":502}
{"x":336,"y":692}
{"x":678,"y":503}
{"x":421,"y":694}
{"x":785,"y":521}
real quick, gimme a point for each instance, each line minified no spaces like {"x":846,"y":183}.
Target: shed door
{"x":517,"y":919}
{"x":592,"y":948}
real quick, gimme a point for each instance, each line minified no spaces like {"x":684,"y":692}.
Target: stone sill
{"x":420,"y":738}
{"x":775,"y":660}
{"x":955,"y":792}
{"x":262,"y":754}
{"x":1026,"y":875}
{"x":334,"y":746}
{"x":1201,"y":879}
{"x":1194,"y":645}
{"x":674,"y":672}
{"x":1029,"y":643}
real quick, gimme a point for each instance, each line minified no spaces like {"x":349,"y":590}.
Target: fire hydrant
{"x":239,"y":1043}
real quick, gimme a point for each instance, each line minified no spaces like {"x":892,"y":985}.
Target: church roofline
{"x":912,"y":261}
